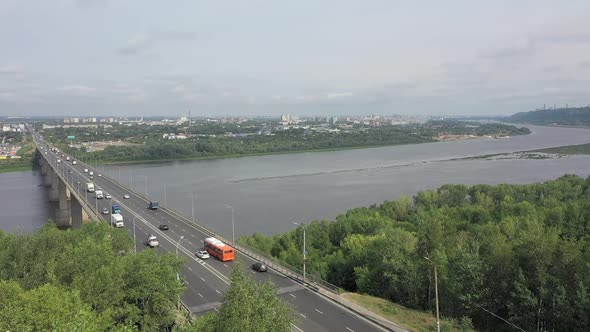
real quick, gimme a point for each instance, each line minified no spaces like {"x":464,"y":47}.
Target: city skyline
{"x":99,"y":57}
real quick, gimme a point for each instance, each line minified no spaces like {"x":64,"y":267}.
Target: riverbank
{"x":549,"y":153}
{"x":228,"y":156}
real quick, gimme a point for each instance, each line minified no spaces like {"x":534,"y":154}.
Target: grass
{"x":6,"y":167}
{"x":568,"y":149}
{"x":411,"y":319}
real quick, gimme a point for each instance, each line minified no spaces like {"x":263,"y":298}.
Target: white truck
{"x":90,"y":187}
{"x":117,"y":220}
{"x":99,"y":194}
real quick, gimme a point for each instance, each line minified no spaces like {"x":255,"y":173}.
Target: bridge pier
{"x":76,"y":212}
{"x":43,"y":166}
{"x":54,"y":183}
{"x":63,"y":214}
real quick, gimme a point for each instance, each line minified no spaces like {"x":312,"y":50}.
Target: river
{"x":269,"y":192}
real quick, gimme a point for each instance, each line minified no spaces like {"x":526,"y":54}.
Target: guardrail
{"x":312,"y":281}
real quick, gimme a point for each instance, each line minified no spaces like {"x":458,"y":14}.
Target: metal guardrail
{"x":294,"y":273}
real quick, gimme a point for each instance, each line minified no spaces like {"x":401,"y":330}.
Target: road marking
{"x":319,"y":311}
{"x":225,"y":265}
{"x":302,"y":315}
{"x":298,"y":329}
{"x":218,"y":292}
{"x":189,"y":268}
{"x":201,"y":295}
{"x":351,"y":330}
{"x":293,"y":296}
{"x":202,"y":279}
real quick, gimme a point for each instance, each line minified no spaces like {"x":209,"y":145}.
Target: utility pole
{"x":304,"y":251}
{"x":436,"y":294}
{"x":233,"y":233}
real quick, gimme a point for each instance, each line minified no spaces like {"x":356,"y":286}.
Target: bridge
{"x":318,"y":305}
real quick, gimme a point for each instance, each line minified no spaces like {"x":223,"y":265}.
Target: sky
{"x":306,"y":57}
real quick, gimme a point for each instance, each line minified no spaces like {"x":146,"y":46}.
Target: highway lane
{"x":207,"y":281}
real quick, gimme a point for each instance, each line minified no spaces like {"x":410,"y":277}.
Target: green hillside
{"x":578,"y":116}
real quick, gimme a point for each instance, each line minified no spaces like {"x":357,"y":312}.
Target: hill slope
{"x":579,"y":116}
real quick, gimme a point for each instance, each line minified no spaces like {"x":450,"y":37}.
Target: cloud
{"x":10,"y":69}
{"x":78,"y":90}
{"x":141,"y":42}
{"x":91,"y":3}
{"x":533,"y":43}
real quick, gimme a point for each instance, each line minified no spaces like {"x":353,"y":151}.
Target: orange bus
{"x":218,"y":249}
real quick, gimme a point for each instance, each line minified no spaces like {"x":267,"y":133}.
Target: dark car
{"x":164,"y":227}
{"x":260,"y":267}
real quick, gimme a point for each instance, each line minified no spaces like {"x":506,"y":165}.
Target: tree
{"x":251,"y":306}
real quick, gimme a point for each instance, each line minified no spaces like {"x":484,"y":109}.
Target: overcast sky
{"x":251,"y":57}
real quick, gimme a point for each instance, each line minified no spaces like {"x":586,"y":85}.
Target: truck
{"x":153,"y":205}
{"x":99,"y":194}
{"x":90,"y":187}
{"x":117,"y":220}
{"x":116,"y":208}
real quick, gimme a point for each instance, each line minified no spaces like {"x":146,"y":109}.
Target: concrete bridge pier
{"x":63,"y":214}
{"x":54,"y":183}
{"x":76,"y":212}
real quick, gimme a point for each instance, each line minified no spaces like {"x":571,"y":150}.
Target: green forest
{"x":90,"y":280}
{"x":146,"y":142}
{"x":571,"y":116}
{"x":506,"y":255}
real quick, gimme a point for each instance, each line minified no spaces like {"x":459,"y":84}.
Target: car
{"x":202,"y":254}
{"x":152,"y":241}
{"x":91,"y":177}
{"x":107,"y":196}
{"x":99,"y":175}
{"x":126,"y":196}
{"x":105,"y":211}
{"x":164,"y":227}
{"x":260,"y":267}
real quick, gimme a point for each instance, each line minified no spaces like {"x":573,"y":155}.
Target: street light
{"x":436,"y":294}
{"x":233,"y":233}
{"x":177,"y":244}
{"x":304,"y":251}
{"x":193,"y":207}
{"x":134,"y":238}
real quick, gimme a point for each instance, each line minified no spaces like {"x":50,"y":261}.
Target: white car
{"x":74,"y":162}
{"x":152,"y":241}
{"x":202,"y":254}
{"x":99,"y":174}
{"x":126,"y":196}
{"x":107,"y":196}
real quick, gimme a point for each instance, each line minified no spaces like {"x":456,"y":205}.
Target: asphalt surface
{"x":206,"y":280}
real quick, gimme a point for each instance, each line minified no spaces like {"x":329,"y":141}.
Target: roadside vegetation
{"x":90,"y":280}
{"x":24,"y":163}
{"x":516,"y":251}
{"x":146,"y":143}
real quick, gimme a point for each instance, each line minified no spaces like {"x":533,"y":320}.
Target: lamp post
{"x":134,"y":238}
{"x":233,"y":233}
{"x":304,"y":251}
{"x":436,"y":294}
{"x":178,"y":244}
{"x":193,"y":207}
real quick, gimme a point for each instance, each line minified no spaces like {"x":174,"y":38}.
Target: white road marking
{"x":218,"y":292}
{"x":351,"y":330}
{"x":225,"y":265}
{"x":201,"y":295}
{"x":319,"y":311}
{"x":302,"y":315}
{"x":298,"y":329}
{"x":293,"y":296}
{"x":189,"y":268}
{"x":202,"y":279}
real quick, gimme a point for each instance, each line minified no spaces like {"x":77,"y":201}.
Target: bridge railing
{"x":311,"y":279}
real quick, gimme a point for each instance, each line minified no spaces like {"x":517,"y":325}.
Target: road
{"x":207,"y":280}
